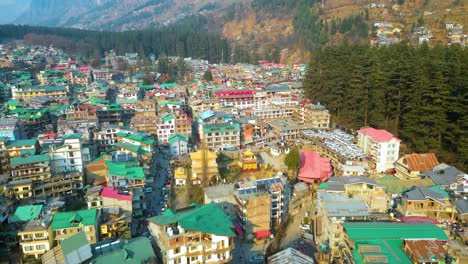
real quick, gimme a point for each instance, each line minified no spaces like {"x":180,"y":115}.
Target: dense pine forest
{"x":418,"y":93}
{"x":167,"y":42}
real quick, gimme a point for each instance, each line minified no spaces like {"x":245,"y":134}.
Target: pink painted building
{"x":314,"y":169}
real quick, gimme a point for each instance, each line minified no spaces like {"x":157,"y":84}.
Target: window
{"x":86,"y":229}
{"x":177,"y":250}
{"x":28,"y":248}
{"x":39,"y":235}
{"x":40,"y":247}
{"x":193,"y":258}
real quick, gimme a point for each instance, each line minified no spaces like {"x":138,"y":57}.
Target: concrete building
{"x":381,"y":146}
{"x":179,"y":144}
{"x":221,"y":136}
{"x":315,"y":115}
{"x":433,"y":202}
{"x":145,"y":119}
{"x":196,"y":234}
{"x":67,"y":224}
{"x":332,"y":211}
{"x":166,"y":127}
{"x":204,"y":166}
{"x":36,"y":237}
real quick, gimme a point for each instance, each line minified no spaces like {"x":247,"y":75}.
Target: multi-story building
{"x":250,"y":197}
{"x":315,"y":115}
{"x":410,"y":166}
{"x":183,"y":123}
{"x":145,"y":119}
{"x":102,"y":74}
{"x":66,"y":224}
{"x":10,"y":128}
{"x":273,"y":112}
{"x":140,"y":145}
{"x":221,"y":136}
{"x":204,"y":166}
{"x":36,"y":237}
{"x":109,"y":114}
{"x":358,"y":186}
{"x":166,"y":126}
{"x":179,"y":144}
{"x":281,"y":95}
{"x":107,"y":138}
{"x":4,"y":163}
{"x":381,"y":145}
{"x":67,"y":154}
{"x":34,"y":120}
{"x":432,"y":202}
{"x":196,"y":234}
{"x":125,"y":174}
{"x":332,"y":211}
{"x":35,"y":167}
{"x":25,"y":93}
{"x":241,"y":99}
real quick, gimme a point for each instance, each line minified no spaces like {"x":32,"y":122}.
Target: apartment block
{"x":381,"y":146}
{"x":315,"y":115}
{"x":204,"y":166}
{"x":36,"y":237}
{"x":221,"y":136}
{"x":196,"y":234}
{"x":66,"y":224}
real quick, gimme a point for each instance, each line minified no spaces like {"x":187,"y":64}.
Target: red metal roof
{"x":113,"y":193}
{"x":314,"y":167}
{"x":262,"y":234}
{"x":378,"y":135}
{"x":421,"y":162}
{"x":229,"y":94}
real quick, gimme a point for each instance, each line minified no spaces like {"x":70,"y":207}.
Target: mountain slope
{"x":116,"y":15}
{"x":11,"y":9}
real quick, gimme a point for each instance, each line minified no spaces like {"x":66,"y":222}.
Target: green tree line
{"x":164,"y":42}
{"x":417,"y":93}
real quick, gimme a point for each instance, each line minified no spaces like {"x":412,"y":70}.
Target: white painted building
{"x":381,"y":146}
{"x":68,"y":157}
{"x":166,"y":127}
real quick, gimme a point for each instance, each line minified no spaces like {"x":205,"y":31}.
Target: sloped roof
{"x":124,"y":169}
{"x":208,"y":218}
{"x":73,"y":243}
{"x":74,"y":219}
{"x":443,"y":174}
{"x":421,"y":162}
{"x":421,"y":193}
{"x":380,"y":251}
{"x":30,"y":159}
{"x":380,"y":230}
{"x":290,"y":256}
{"x":176,"y":137}
{"x":114,"y":194}
{"x":462,"y":206}
{"x":26,"y":213}
{"x":314,"y":167}
{"x":22,"y":142}
{"x":378,"y":135}
{"x":137,"y":250}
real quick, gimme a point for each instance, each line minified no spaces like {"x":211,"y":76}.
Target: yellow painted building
{"x":204,"y":166}
{"x":116,"y":227}
{"x":248,"y":161}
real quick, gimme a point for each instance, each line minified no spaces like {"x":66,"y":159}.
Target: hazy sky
{"x":11,"y":9}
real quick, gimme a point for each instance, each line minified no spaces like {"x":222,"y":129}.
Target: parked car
{"x":257,"y":259}
{"x":304,"y":226}
{"x":148,"y":189}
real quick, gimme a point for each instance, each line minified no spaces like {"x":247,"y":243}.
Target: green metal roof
{"x":12,"y":103}
{"x":22,"y":142}
{"x":392,"y":250}
{"x":73,"y":243}
{"x":129,"y":146}
{"x":55,"y":88}
{"x":26,"y":213}
{"x":208,"y":218}
{"x":221,"y":128}
{"x":176,"y":137}
{"x":74,"y":219}
{"x":72,"y":136}
{"x":30,"y":159}
{"x":135,"y":251}
{"x":439,"y":190}
{"x":28,"y":152}
{"x":125,"y":169}
{"x":167,"y":85}
{"x":136,"y":137}
{"x":377,"y":230}
{"x":167,"y":118}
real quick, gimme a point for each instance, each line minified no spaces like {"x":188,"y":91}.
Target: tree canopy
{"x":293,"y":159}
{"x":417,"y":93}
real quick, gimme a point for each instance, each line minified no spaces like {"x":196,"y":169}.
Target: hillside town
{"x":117,"y":161}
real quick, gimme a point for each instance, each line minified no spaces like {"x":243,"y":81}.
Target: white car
{"x":304,"y":226}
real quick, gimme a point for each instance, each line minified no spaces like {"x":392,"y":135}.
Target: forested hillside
{"x":169,"y":42}
{"x":419,"y":94}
